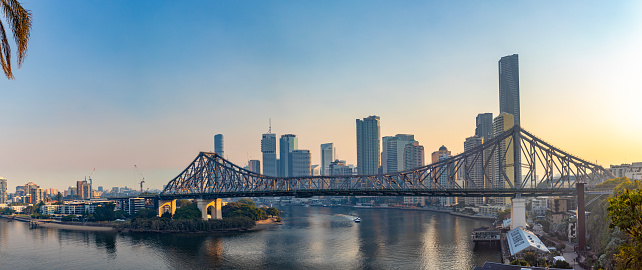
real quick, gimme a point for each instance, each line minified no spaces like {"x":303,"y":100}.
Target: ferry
{"x":357,"y":220}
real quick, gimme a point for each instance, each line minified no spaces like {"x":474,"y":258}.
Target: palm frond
{"x":4,"y":48}
{"x":19,"y":20}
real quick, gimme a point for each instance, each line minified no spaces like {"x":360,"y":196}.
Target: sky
{"x":113,"y":84}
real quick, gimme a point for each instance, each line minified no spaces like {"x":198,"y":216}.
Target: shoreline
{"x":443,"y":211}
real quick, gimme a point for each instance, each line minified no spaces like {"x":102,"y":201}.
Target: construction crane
{"x":141,"y":177}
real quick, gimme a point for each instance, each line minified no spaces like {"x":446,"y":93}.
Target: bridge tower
{"x":518,"y":212}
{"x":205,"y":204}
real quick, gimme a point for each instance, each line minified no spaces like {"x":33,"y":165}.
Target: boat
{"x":357,"y":220}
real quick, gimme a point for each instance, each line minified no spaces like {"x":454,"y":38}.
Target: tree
{"x":105,"y":212}
{"x":146,"y":213}
{"x":19,"y":21}
{"x":271,"y":211}
{"x":531,"y":258}
{"x":28,"y":210}
{"x":625,"y":212}
{"x":247,"y":201}
{"x":562,"y":265}
{"x":189,"y":211}
{"x":519,"y":262}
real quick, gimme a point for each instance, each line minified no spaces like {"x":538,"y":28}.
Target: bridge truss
{"x":514,"y":162}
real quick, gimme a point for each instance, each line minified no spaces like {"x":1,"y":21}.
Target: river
{"x":310,"y":238}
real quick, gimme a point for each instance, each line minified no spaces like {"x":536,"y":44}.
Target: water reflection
{"x":311,"y":238}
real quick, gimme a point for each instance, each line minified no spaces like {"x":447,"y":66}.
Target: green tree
{"x":146,"y":213}
{"x":182,"y":202}
{"x":189,"y":211}
{"x":519,"y":262}
{"x":271,"y":211}
{"x":562,"y":265}
{"x":531,"y":258}
{"x":105,"y":212}
{"x":68,"y":218}
{"x":28,"y":210}
{"x":625,"y":212}
{"x":19,"y":21}
{"x":247,"y":201}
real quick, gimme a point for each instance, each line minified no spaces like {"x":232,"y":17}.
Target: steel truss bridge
{"x":492,"y":169}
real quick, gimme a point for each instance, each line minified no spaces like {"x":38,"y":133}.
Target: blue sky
{"x":110,"y":84}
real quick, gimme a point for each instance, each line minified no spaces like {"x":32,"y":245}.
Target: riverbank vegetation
{"x":241,"y":215}
{"x":611,"y":242}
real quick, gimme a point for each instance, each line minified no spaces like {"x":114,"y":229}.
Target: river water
{"x":310,"y":238}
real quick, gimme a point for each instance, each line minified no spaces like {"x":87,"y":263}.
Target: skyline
{"x":151,"y":89}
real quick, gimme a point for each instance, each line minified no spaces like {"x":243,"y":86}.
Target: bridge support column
{"x":581,"y":218}
{"x":171,"y":204}
{"x":215,"y":205}
{"x":518,"y":212}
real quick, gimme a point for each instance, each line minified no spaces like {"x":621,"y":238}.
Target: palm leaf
{"x":4,"y":48}
{"x":19,"y":20}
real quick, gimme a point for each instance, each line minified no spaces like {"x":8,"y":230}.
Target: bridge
{"x":513,"y":164}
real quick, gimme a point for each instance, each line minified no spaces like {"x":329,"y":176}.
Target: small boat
{"x":357,"y":220}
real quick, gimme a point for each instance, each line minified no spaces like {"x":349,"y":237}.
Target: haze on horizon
{"x":111,"y":84}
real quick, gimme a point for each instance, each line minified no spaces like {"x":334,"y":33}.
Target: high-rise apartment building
{"x":484,"y":126}
{"x":83,"y":189}
{"x":339,"y":167}
{"x":3,"y":190}
{"x":254,"y":166}
{"x":218,"y":145}
{"x":287,"y":144}
{"x":368,"y":145}
{"x":268,"y":149}
{"x":444,"y":179}
{"x":300,"y":160}
{"x":328,"y":154}
{"x":475,"y":173}
{"x":413,"y":156}
{"x":509,"y":86}
{"x":503,"y":159}
{"x":442,"y":151}
{"x":393,"y":157}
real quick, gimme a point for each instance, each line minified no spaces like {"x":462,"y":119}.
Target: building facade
{"x":509,"y":86}
{"x":368,"y":145}
{"x":218,"y":145}
{"x":503,"y":159}
{"x":484,"y":126}
{"x":84,"y":190}
{"x":254,"y":166}
{"x":287,"y":144}
{"x":328,"y":154}
{"x":301,"y":163}
{"x":3,"y":190}
{"x":393,"y":152}
{"x":475,"y":171}
{"x":268,"y":149}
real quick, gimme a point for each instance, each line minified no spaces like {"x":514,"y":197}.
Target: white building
{"x":520,"y":240}
{"x":328,"y":155}
{"x":632,"y":171}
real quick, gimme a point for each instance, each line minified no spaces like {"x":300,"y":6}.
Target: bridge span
{"x":513,"y":164}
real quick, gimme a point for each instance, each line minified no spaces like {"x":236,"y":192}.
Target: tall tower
{"x":484,"y":126}
{"x":218,"y":144}
{"x":509,"y":86}
{"x":3,"y":190}
{"x":476,"y":171}
{"x":268,"y":148}
{"x":392,"y":153}
{"x":300,"y":160}
{"x":368,"y":145}
{"x":287,"y":144}
{"x":504,"y":160}
{"x":328,"y":155}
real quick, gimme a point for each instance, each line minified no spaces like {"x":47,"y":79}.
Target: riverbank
{"x":74,"y":226}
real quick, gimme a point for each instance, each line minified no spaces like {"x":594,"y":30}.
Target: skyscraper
{"x":300,"y":160}
{"x":83,"y":189}
{"x":484,"y":126}
{"x":509,"y":86}
{"x":328,"y":155}
{"x":475,"y":170}
{"x":218,"y":144}
{"x":504,"y":160}
{"x":268,"y":148}
{"x":3,"y":190}
{"x":368,"y":145}
{"x":413,"y":156}
{"x":444,"y":178}
{"x":287,"y":144}
{"x":393,"y":152}
{"x":442,"y":151}
{"x":254,"y":166}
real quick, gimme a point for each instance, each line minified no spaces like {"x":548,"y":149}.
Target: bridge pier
{"x":518,"y":212}
{"x":204,"y":204}
{"x":171,"y":204}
